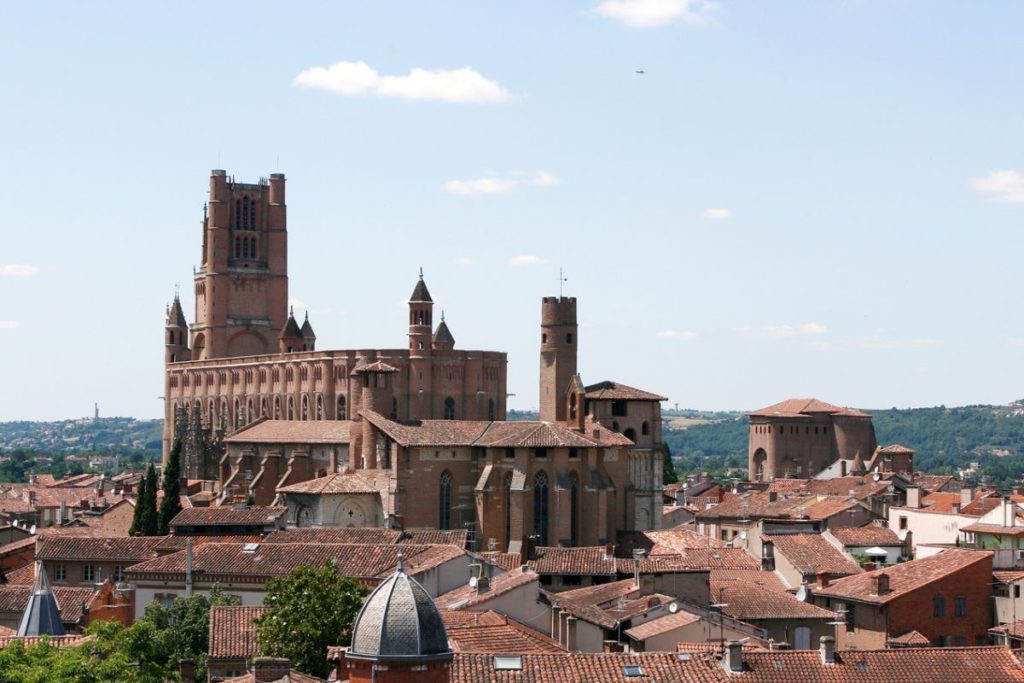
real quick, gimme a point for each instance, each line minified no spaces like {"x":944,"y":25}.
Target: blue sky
{"x":796,"y":198}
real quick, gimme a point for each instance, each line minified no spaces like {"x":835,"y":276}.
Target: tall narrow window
{"x":394,"y":408}
{"x":939,"y":606}
{"x":540,"y":508}
{"x":319,"y":406}
{"x":341,"y":408}
{"x":572,"y":406}
{"x":491,"y":412}
{"x":291,"y":407}
{"x":574,"y":510}
{"x":445,"y":517}
{"x":305,"y":407}
{"x":449,"y":408}
{"x":645,"y":428}
{"x":277,"y":407}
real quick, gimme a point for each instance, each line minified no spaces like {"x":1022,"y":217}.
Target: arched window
{"x":291,"y":407}
{"x":277,"y":407}
{"x":319,"y":406}
{"x":212,"y":417}
{"x":263,"y":407}
{"x":574,"y":509}
{"x":491,"y":411}
{"x":341,"y":408}
{"x":540,"y":507}
{"x":249,"y":412}
{"x":645,"y":428}
{"x":394,"y":408}
{"x":305,"y":407}
{"x":572,"y":406}
{"x":630,"y":434}
{"x":449,"y":408}
{"x":445,"y":516}
{"x":507,"y":491}
{"x":238,"y":414}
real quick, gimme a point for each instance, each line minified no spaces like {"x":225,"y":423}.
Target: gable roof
{"x":615,"y":391}
{"x":349,"y":481}
{"x":83,"y":548}
{"x":292,"y":431}
{"x":865,"y":536}
{"x":748,"y":601}
{"x":812,"y":553}
{"x":468,"y":596}
{"x":904,"y":577}
{"x":494,"y":633}
{"x":233,"y":631}
{"x":251,"y":515}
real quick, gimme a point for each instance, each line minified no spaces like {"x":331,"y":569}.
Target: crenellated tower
{"x":241,"y":285}
{"x":557,"y":355}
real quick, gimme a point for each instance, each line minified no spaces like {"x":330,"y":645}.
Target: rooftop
{"x":805,"y":407}
{"x":614,"y":391}
{"x":252,"y":515}
{"x":494,"y":633}
{"x":71,"y":548}
{"x":812,"y":553}
{"x":292,"y":431}
{"x":468,"y":596}
{"x":233,"y":631}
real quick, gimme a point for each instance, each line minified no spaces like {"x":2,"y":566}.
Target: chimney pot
{"x":828,"y":650}
{"x":268,"y":669}
{"x":823,"y":579}
{"x":734,"y":656}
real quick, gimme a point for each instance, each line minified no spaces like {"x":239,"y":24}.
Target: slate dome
{"x":399,"y":620}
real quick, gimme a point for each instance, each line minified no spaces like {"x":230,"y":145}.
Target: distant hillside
{"x":946,"y":440}
{"x":118,"y":435}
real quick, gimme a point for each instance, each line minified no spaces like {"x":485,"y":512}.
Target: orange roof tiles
{"x":228,"y":516}
{"x":614,"y":391}
{"x":904,"y":577}
{"x":666,"y":541}
{"x":69,"y":548}
{"x":593,"y":561}
{"x":804,"y":407}
{"x":469,"y":596}
{"x":656,"y":667}
{"x":866,"y":536}
{"x":495,"y":633}
{"x":812,"y":553}
{"x":233,"y":631}
{"x":350,"y":481}
{"x":293,"y":431}
{"x":371,"y":535}
{"x":750,"y":602}
{"x":656,"y":627}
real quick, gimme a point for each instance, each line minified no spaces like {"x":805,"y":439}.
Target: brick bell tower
{"x":242,"y":281}
{"x":557,"y":355}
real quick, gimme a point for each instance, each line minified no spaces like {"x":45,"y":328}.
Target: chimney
{"x":570,"y":633}
{"x":956,"y":508}
{"x":773,"y":496}
{"x":842,"y":468}
{"x":187,"y":670}
{"x":823,"y":579}
{"x":609,"y":551}
{"x":966,"y":496}
{"x":483,"y":584}
{"x":914,"y":497}
{"x":828,"y":650}
{"x":880,"y":583}
{"x":734,"y":656}
{"x":269,"y":669}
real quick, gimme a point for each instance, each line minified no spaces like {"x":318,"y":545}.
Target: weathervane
{"x":561,"y":280}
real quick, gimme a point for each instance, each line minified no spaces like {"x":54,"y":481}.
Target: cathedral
{"x":589,"y":467}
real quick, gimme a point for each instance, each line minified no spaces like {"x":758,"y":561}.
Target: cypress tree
{"x":171,"y":504}
{"x":148,"y":521}
{"x":137,"y":515}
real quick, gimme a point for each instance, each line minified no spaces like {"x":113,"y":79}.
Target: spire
{"x":307,"y":329}
{"x":176,"y":316}
{"x":420,"y":294}
{"x":443,"y":338}
{"x":291,"y":328}
{"x":42,"y":613}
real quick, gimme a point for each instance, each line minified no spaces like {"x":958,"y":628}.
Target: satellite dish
{"x":876,"y":476}
{"x":801,"y":593}
{"x":33,"y":529}
{"x":673,"y":607}
{"x":472,"y":582}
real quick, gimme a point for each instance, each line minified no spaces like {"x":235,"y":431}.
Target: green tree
{"x":171,"y":504}
{"x":309,"y":609}
{"x":144,"y":520}
{"x":668,"y":472}
{"x":138,"y":521}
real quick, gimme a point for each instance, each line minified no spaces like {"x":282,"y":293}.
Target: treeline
{"x":947,"y":440}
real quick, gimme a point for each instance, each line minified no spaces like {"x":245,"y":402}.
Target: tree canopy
{"x":171,"y":504}
{"x":308,"y":610}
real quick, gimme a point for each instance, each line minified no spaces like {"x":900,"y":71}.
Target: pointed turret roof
{"x":291,"y":328}
{"x":443,"y":334}
{"x":176,"y":316}
{"x":420,"y":294}
{"x":307,"y":329}
{"x":42,"y":613}
{"x":858,"y":465}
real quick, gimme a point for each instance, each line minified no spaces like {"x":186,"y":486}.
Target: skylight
{"x":631,"y":671}
{"x":508,"y":663}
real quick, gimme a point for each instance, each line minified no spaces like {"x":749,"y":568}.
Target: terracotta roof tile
{"x":609,"y":391}
{"x":804,"y":407}
{"x":53,"y":641}
{"x":866,"y":536}
{"x":72,"y":600}
{"x":468,"y":596}
{"x":69,"y":548}
{"x":350,"y":481}
{"x":656,"y":627}
{"x":172,"y":543}
{"x":504,"y":560}
{"x":656,"y":667}
{"x":896,"y":448}
{"x":812,"y":554}
{"x":592,"y":561}
{"x":665,"y":541}
{"x":293,"y":431}
{"x":228,"y":516}
{"x":293,"y":677}
{"x":370,"y":535}
{"x":497,"y":634}
{"x":456,"y":537}
{"x":750,"y":602}
{"x":758,"y":505}
{"x":233,"y":631}
{"x":764,"y":579}
{"x":909,"y":639}
{"x":904,"y":577}
{"x":22,"y":576}
{"x":995,"y":529}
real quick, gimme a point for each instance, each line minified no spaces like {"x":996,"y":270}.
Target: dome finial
{"x":291,"y":311}
{"x":401,"y":563}
{"x":421,"y":272}
{"x":442,"y":315}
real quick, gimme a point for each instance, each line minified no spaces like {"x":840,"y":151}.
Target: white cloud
{"x":499,"y":185}
{"x":442,"y":85}
{"x":681,"y":335}
{"x":717,"y":214}
{"x":527,"y":260}
{"x":782,"y":331}
{"x":1006,"y":187}
{"x":9,"y":324}
{"x":463,"y":261}
{"x":650,"y":13}
{"x":18,"y":270}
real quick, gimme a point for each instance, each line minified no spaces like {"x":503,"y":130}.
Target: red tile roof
{"x":757,"y":505}
{"x":811,"y":554}
{"x":909,"y":639}
{"x":229,"y":516}
{"x":750,"y":602}
{"x":896,"y":448}
{"x":468,"y":596}
{"x":293,"y":431}
{"x":71,"y":548}
{"x":656,"y":667}
{"x":613,"y":391}
{"x":233,"y":631}
{"x":666,"y":541}
{"x":495,"y":633}
{"x":866,"y":536}
{"x":764,"y":579}
{"x":457,"y":537}
{"x":804,"y":407}
{"x":292,"y":677}
{"x":994,"y":529}
{"x":172,"y":543}
{"x":588,"y":560}
{"x":371,"y":535}
{"x":22,"y":576}
{"x":656,"y":627}
{"x":904,"y":577}
{"x":267,"y":560}
{"x":351,"y":481}
{"x":906,"y":665}
{"x":72,"y":600}
{"x":503,"y":560}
